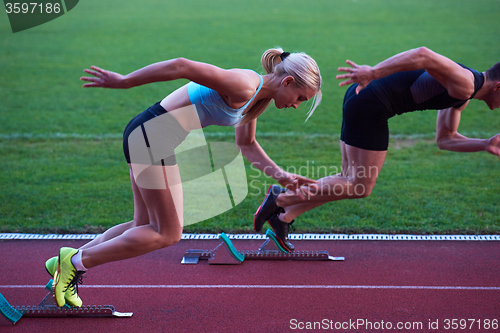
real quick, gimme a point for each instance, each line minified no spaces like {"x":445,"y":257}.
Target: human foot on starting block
{"x":71,"y":295}
{"x":281,"y":230}
{"x":272,"y":237}
{"x":66,"y":277}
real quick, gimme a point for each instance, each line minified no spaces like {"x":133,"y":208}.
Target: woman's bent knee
{"x":169,"y":239}
{"x":361,"y":190}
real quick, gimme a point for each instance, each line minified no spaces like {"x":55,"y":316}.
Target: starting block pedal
{"x":226,"y":254}
{"x":48,"y":308}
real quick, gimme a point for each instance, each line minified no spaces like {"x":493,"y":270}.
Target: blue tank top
{"x":211,"y":108}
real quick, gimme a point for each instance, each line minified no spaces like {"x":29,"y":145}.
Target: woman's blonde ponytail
{"x":270,"y":59}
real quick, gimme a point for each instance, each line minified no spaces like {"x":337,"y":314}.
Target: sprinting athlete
{"x":214,"y":96}
{"x":418,"y":79}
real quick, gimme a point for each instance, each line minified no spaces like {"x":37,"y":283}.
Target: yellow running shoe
{"x":71,"y":295}
{"x":66,"y":276}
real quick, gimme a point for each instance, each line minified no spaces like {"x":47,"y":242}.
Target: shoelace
{"x":75,"y":280}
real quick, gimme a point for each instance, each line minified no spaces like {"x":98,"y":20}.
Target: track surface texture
{"x":382,"y":286}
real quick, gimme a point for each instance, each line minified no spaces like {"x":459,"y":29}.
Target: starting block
{"x":48,"y":308}
{"x":226,"y":254}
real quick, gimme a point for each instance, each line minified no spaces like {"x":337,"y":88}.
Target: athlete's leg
{"x":164,"y":227}
{"x":360,"y":169}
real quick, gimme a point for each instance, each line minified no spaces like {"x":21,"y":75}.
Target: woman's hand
{"x":295,"y":183}
{"x":362,"y":75}
{"x":493,"y":145}
{"x":103,"y":79}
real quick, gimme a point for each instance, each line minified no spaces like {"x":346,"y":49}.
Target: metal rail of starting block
{"x":48,"y":308}
{"x":226,"y":254}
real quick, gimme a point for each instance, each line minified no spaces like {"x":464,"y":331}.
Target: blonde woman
{"x":214,"y":96}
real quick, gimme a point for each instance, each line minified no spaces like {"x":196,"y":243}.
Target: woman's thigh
{"x":163,"y":202}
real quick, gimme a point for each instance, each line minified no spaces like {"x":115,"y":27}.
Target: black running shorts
{"x":151,"y":137}
{"x":364,"y":120}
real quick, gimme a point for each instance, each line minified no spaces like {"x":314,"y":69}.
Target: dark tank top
{"x":410,"y":91}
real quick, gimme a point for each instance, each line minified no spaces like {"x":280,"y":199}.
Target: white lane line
{"x":309,"y":237}
{"x":242,"y":286}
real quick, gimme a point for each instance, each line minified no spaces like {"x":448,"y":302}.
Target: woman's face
{"x":289,"y":95}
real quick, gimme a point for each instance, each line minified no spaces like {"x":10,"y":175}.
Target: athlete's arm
{"x":458,"y":81}
{"x":255,"y":154}
{"x":238,"y":85}
{"x":448,"y":138}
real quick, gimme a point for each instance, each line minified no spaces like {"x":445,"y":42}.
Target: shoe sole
{"x":258,"y":210}
{"x":55,"y":282}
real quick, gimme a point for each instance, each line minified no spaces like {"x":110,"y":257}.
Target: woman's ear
{"x":287,"y":80}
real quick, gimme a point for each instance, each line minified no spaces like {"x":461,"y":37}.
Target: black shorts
{"x":364,"y":120}
{"x":151,"y":137}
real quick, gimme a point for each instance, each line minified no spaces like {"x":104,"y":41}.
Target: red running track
{"x":385,"y":284}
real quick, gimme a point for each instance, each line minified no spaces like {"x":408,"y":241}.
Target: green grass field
{"x":62,"y":166}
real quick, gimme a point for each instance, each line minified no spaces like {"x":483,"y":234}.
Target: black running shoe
{"x":268,"y":207}
{"x":281,"y":229}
